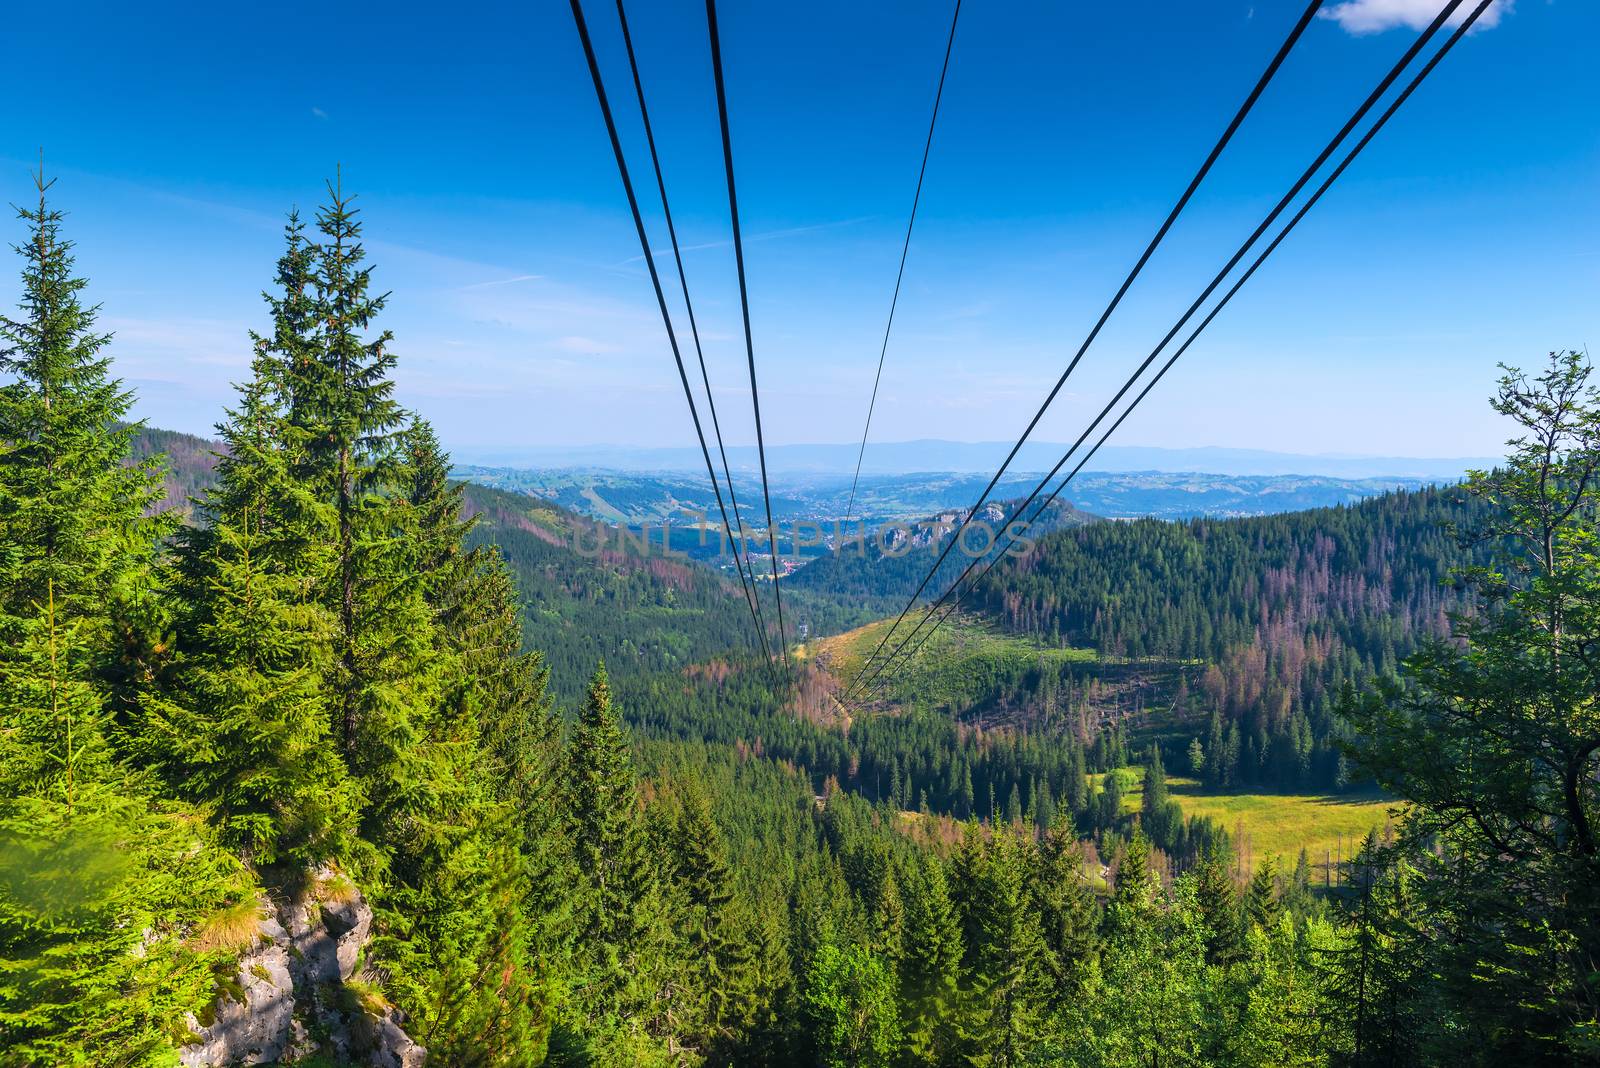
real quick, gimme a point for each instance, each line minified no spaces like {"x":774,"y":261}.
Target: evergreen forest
{"x":311,"y":754}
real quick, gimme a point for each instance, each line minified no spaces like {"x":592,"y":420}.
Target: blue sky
{"x":1466,"y":234}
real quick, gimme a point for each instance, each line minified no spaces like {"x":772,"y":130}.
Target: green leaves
{"x":1494,"y":736}
{"x":850,"y":1004}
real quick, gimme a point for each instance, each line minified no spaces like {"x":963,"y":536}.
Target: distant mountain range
{"x":622,"y":495}
{"x":935,"y":455}
{"x":652,"y":497}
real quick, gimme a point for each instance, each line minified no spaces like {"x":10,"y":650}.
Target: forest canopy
{"x":280,"y":780}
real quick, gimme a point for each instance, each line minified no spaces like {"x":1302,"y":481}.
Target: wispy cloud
{"x":750,"y":239}
{"x":1375,"y":16}
{"x":205,"y":353}
{"x":319,"y":113}
{"x":513,"y":280}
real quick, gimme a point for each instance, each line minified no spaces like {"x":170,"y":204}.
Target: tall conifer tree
{"x":1217,"y":898}
{"x":1007,"y":954}
{"x":245,"y":722}
{"x":930,"y":972}
{"x":77,"y":545}
{"x":609,"y":850}
{"x":343,"y":404}
{"x":711,"y":941}
{"x":1068,"y":914}
{"x":98,"y":884}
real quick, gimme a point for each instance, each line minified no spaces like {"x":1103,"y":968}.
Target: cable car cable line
{"x":738,"y":543}
{"x":905,"y":249}
{"x":1327,"y":183}
{"x":1177,"y":209}
{"x":744,"y":307}
{"x":655,"y":277}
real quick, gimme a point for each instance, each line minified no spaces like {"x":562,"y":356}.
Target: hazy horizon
{"x":932,"y":456}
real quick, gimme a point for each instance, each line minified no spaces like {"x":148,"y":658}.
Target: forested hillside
{"x":1373,"y":575}
{"x":1270,"y":618}
{"x":287,"y":778}
{"x":1238,"y":635}
{"x":187,"y":463}
{"x":587,"y":590}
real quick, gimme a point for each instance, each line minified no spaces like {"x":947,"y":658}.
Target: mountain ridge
{"x":936,"y":455}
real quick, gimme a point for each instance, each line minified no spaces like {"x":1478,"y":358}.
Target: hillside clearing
{"x":1329,"y":827}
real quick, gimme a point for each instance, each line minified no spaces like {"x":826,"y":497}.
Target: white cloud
{"x":319,"y":113}
{"x":162,"y":342}
{"x":1375,"y":16}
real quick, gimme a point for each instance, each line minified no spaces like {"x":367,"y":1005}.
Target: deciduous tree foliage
{"x":1496,"y":739}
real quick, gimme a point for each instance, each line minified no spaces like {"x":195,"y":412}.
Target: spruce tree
{"x":246,"y":724}
{"x":931,"y":968}
{"x":608,"y":848}
{"x":1217,"y":898}
{"x":1009,"y":959}
{"x":479,"y":870}
{"x":303,"y":378}
{"x":100,"y":884}
{"x":1216,"y":775}
{"x":1298,"y":898}
{"x":1077,"y":780}
{"x":501,"y":692}
{"x":1376,"y":978}
{"x":889,"y":918}
{"x":1136,"y":884}
{"x":1261,"y":905}
{"x":1110,"y":802}
{"x":710,"y":941}
{"x":1155,"y":815}
{"x":1068,"y":913}
{"x":342,"y":404}
{"x":78,"y":548}
{"x":435,"y":711}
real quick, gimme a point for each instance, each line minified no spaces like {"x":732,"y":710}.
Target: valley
{"x":316,"y":752}
{"x":1299,"y":600}
{"x":635,"y":497}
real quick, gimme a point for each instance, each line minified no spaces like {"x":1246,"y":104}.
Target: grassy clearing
{"x":1280,"y":825}
{"x":963,"y":659}
{"x":1326,"y":826}
{"x":955,"y":660}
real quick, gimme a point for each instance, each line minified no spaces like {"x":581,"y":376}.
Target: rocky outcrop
{"x":297,"y":991}
{"x":252,"y":1021}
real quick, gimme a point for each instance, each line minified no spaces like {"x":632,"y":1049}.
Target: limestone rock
{"x":308,"y":952}
{"x":258,"y":1028}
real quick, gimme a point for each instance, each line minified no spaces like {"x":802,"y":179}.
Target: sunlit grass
{"x":952,"y":653}
{"x":1326,"y":826}
{"x":231,"y":928}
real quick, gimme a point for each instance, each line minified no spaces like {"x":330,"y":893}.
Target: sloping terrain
{"x":589,"y":590}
